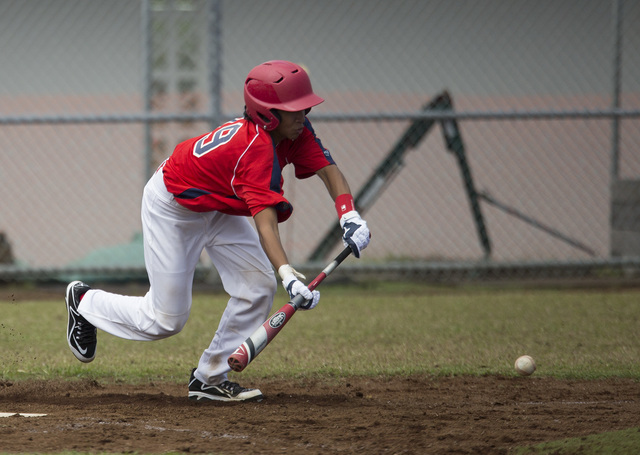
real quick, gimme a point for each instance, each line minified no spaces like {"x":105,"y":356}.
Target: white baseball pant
{"x":174,"y":238}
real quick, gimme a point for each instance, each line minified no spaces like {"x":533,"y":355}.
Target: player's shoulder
{"x":239,"y":134}
{"x":249,"y":130}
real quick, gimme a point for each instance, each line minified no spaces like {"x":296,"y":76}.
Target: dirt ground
{"x":416,"y":415}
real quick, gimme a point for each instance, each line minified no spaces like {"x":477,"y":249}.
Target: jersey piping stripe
{"x":276,"y":174}
{"x":239,"y":159}
{"x":307,"y":123}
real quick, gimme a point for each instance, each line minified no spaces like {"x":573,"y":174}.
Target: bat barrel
{"x":253,"y":345}
{"x":259,"y":339}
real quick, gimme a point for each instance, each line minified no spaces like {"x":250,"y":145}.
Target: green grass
{"x":610,"y":443}
{"x":378,"y":329}
{"x":383,"y":328}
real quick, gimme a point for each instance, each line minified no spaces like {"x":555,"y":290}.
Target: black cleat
{"x":227,"y":391}
{"x":81,"y":334}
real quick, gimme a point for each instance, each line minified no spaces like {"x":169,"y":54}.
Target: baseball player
{"x":199,"y":199}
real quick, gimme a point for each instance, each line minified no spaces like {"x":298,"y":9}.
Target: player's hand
{"x":355,"y":232}
{"x":291,"y":282}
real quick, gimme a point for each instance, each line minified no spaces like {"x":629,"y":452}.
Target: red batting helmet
{"x":277,"y":84}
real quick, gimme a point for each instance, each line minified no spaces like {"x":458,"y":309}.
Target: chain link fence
{"x":482,"y":138}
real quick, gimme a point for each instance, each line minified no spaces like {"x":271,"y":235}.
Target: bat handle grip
{"x":298,"y":300}
{"x":330,"y":268}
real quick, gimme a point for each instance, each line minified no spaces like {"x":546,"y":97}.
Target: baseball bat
{"x":264,"y":334}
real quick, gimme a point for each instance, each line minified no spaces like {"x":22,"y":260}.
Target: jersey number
{"x":215,"y":139}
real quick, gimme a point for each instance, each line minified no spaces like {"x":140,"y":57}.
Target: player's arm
{"x":334,"y":180}
{"x":266,"y":222}
{"x":355,"y":231}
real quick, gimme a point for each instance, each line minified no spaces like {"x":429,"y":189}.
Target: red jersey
{"x":236,"y":169}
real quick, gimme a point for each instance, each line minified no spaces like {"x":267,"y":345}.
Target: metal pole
{"x":615,"y":119}
{"x":146,"y":83}
{"x":617,"y":72}
{"x":215,"y":61}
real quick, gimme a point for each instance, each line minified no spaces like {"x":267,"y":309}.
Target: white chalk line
{"x":21,"y":414}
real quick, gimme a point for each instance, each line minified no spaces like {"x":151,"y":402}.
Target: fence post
{"x":215,"y":62}
{"x":146,"y":84}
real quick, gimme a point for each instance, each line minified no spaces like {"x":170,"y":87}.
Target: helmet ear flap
{"x":271,"y":121}
{"x":276,"y":115}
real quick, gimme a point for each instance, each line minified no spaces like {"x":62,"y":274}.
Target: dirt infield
{"x":416,"y":415}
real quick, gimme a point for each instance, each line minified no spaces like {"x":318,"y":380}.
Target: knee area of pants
{"x":169,"y":325}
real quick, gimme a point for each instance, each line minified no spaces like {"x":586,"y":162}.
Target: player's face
{"x":290,"y":126}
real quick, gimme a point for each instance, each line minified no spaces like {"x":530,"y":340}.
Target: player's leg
{"x":248,"y":278}
{"x":173,"y":240}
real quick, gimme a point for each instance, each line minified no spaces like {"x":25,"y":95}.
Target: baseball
{"x":525,"y":365}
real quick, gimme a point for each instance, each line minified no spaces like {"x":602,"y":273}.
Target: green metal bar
{"x":535,"y":223}
{"x":453,"y":139}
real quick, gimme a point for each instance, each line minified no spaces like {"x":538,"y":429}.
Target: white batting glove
{"x":355,"y":232}
{"x":291,"y":282}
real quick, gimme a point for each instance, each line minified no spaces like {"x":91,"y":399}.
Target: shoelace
{"x":84,"y":332}
{"x":233,"y":387}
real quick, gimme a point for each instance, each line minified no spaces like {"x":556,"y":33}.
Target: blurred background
{"x":482,"y":139}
